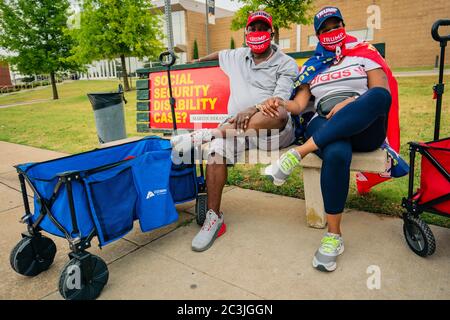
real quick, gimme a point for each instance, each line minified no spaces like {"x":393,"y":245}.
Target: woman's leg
{"x":334,"y":182}
{"x":335,"y":176}
{"x":353,"y":119}
{"x":368,"y":110}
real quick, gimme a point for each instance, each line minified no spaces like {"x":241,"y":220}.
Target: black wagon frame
{"x":418,"y":235}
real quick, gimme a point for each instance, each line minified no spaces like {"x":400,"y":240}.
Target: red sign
{"x":201,"y":98}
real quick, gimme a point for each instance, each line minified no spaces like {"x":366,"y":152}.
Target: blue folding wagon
{"x":99,"y":193}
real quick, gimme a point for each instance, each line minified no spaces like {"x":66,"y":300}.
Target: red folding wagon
{"x":433,"y":194}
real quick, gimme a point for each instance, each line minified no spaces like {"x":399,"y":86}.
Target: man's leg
{"x":216,"y":177}
{"x":185,"y":142}
{"x":216,"y":169}
{"x":257,"y":122}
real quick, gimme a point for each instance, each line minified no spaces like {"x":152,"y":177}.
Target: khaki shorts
{"x":233,"y":149}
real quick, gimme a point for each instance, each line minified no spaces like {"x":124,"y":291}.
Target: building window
{"x":285,"y":43}
{"x":362,"y":34}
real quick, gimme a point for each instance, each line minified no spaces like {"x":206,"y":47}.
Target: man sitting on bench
{"x":256,"y":73}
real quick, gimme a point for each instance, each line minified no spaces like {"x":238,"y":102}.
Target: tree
{"x":195,"y":51}
{"x":34,"y":32}
{"x":284,"y":13}
{"x":232,"y":45}
{"x":111,"y":29}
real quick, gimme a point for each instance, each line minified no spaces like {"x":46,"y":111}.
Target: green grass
{"x":67,"y":125}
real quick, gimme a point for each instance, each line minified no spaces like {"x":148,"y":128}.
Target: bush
{"x":232,"y":45}
{"x":195,"y":53}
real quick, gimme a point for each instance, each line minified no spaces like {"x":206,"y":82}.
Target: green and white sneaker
{"x":325,"y":258}
{"x":283,"y":167}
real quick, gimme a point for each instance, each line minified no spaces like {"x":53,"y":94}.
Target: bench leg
{"x":315,"y":211}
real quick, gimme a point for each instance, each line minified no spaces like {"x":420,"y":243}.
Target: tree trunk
{"x":277,"y":35}
{"x":124,"y":73}
{"x":53,"y":82}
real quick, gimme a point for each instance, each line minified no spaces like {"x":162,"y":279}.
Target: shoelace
{"x":288,"y":162}
{"x":329,"y":244}
{"x":209,"y":223}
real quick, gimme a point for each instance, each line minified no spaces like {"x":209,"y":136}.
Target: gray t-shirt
{"x":251,"y":84}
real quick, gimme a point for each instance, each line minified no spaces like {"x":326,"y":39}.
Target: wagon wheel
{"x":201,"y":207}
{"x":418,"y":236}
{"x":75,"y":282}
{"x":32,"y":255}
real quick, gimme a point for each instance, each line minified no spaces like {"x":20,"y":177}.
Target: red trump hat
{"x":260,"y":16}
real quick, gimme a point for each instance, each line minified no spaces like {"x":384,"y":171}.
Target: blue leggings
{"x":360,"y":126}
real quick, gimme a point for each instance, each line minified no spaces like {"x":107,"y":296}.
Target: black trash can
{"x":109,"y":115}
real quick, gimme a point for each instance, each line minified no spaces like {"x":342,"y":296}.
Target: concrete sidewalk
{"x":265,"y":254}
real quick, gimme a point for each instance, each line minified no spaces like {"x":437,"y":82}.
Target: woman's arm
{"x":377,"y":78}
{"x":296,"y":106}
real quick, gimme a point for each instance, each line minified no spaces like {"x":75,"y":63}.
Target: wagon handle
{"x":168,"y":59}
{"x":435,"y":30}
{"x":439,"y":88}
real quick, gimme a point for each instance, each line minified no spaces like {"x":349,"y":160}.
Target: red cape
{"x":364,"y":180}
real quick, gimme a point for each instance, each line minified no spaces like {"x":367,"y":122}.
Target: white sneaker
{"x":279,"y":171}
{"x":332,"y":245}
{"x":185,"y":142}
{"x":213,"y":227}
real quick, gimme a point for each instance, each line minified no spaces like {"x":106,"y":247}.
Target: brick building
{"x":405,"y":27}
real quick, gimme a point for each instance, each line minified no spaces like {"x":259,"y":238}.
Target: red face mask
{"x":258,"y":41}
{"x":332,"y":39}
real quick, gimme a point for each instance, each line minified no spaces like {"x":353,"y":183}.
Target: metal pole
{"x":440,"y":89}
{"x":168,"y":14}
{"x":172,"y":102}
{"x":206,"y":20}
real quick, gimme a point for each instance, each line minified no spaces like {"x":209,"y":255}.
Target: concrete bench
{"x":374,"y":162}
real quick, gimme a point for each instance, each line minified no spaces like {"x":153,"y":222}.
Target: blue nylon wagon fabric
{"x":111,"y":198}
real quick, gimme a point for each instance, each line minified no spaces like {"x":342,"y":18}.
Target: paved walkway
{"x":265,"y":254}
{"x":24,"y":103}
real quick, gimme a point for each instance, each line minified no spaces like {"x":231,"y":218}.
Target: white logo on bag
{"x":158,"y":192}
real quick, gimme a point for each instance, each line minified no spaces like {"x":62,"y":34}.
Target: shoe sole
{"x":268,"y":173}
{"x":324,"y":268}
{"x":218,"y":233}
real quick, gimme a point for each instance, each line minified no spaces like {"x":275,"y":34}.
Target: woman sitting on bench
{"x":349,"y":81}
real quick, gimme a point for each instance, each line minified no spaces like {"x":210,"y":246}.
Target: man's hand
{"x":339,"y":106}
{"x":270,"y":106}
{"x":241,"y":120}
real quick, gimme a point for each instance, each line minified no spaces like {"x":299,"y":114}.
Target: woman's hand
{"x":241,"y":120}
{"x":339,"y":106}
{"x":270,"y":106}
